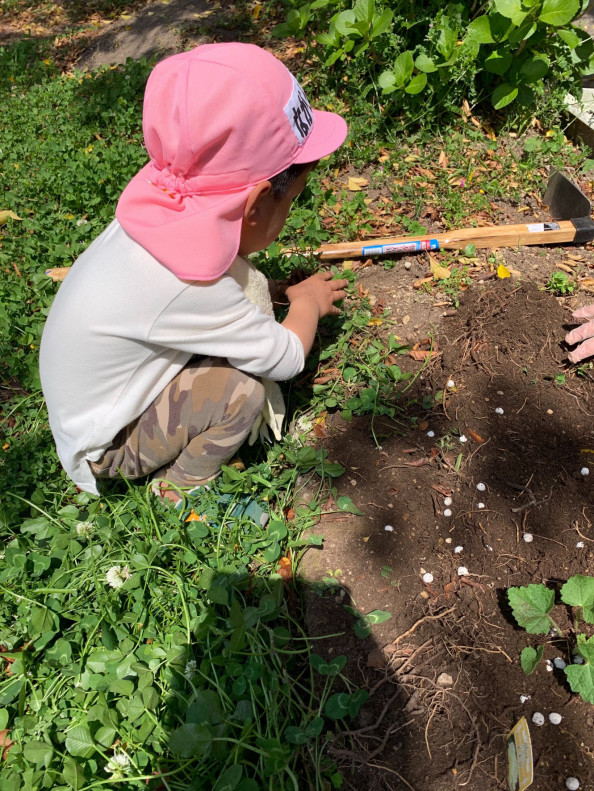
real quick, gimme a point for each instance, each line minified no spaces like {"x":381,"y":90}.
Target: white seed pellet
{"x":457,"y":550}
{"x":431,"y":433}
{"x":447,"y":512}
{"x":578,"y":660}
{"x":498,"y":411}
{"x":572,"y":784}
{"x":427,"y":578}
{"x":462,"y":571}
{"x":480,"y":505}
{"x":549,"y":665}
{"x":528,"y":538}
{"x":554,"y":718}
{"x":524,"y":698}
{"x":481,"y":487}
{"x":559,"y":663}
{"x":463,"y":438}
{"x":451,"y":383}
{"x":585,"y":471}
{"x":448,"y":540}
{"x":538,"y":718}
{"x":389,"y":528}
{"x":579,"y":545}
{"x":447,"y":501}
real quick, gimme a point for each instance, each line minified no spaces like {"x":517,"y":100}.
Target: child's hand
{"x":584,"y":333}
{"x":320,"y":289}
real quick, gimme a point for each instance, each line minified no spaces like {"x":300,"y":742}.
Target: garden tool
{"x":568,"y":207}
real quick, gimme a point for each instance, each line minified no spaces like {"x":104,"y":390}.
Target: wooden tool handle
{"x":487,"y":236}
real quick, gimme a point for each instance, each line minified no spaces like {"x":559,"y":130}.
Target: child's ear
{"x":255,"y":202}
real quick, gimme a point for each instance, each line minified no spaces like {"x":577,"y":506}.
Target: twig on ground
{"x":416,"y":625}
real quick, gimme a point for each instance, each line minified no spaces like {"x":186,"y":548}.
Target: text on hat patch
{"x":299,"y":113}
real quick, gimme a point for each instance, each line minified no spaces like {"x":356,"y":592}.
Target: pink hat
{"x":217,"y":120}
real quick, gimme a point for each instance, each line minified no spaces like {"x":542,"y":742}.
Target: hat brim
{"x":329,"y":133}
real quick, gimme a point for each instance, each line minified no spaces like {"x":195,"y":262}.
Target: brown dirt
{"x":501,"y":349}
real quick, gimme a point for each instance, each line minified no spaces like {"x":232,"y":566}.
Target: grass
{"x":194,"y":673}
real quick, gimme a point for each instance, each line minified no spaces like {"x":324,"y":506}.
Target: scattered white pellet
{"x":462,"y":571}
{"x":448,"y":541}
{"x":538,"y":718}
{"x":451,"y":383}
{"x":554,"y":718}
{"x":578,"y":660}
{"x":481,"y":487}
{"x":463,"y":438}
{"x":524,"y":698}
{"x":489,"y":547}
{"x":498,"y":411}
{"x":480,"y":505}
{"x":549,"y":665}
{"x":572,"y":784}
{"x":559,"y":663}
{"x":585,"y":471}
{"x":447,"y":512}
{"x":427,"y":578}
{"x":447,"y":501}
{"x":457,"y":550}
{"x":553,"y":633}
{"x":431,"y":433}
{"x":389,"y":528}
{"x":528,"y":538}
{"x":579,"y":545}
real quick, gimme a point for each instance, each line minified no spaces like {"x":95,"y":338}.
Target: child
{"x":154,"y":358}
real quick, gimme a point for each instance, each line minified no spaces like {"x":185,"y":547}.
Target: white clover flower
{"x":85,"y":529}
{"x":191,"y":669}
{"x":82,"y":221}
{"x":304,"y":423}
{"x":117,"y":575}
{"x":118,"y":764}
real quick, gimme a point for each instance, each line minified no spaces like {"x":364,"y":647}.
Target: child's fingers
{"x":585,"y":349}
{"x":586,"y":312}
{"x":580,"y":333}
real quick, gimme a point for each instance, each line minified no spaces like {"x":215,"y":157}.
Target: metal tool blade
{"x":565,"y":200}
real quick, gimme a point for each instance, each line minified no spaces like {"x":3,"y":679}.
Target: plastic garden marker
{"x":519,"y":755}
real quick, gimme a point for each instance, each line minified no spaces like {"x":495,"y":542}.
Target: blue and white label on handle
{"x":402,"y":247}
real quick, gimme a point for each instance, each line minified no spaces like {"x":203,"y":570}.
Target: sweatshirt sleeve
{"x":216,"y":319}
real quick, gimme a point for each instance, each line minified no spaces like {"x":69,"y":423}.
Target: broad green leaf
{"x":358,"y":698}
{"x":60,"y":653}
{"x":417,"y":84}
{"x":191,"y":740}
{"x":277,"y":530}
{"x":378,"y":616}
{"x":535,"y":68}
{"x":315,"y":727}
{"x":73,"y":774}
{"x":503,"y":95}
{"x":4,"y":715}
{"x":581,"y":677}
{"x":529,"y":658}
{"x":337,"y":707}
{"x":381,"y":22}
{"x":531,"y":606}
{"x":570,"y":37}
{"x":387,"y":81}
{"x":578,"y":591}
{"x":558,"y":12}
{"x":512,"y":9}
{"x":364,"y":10}
{"x":448,"y":38}
{"x":205,"y":709}
{"x":425,"y":63}
{"x":480,"y":30}
{"x":498,"y":62}
{"x":344,"y":22}
{"x":362,"y":628}
{"x":330,"y":668}
{"x":229,"y":779}
{"x":345,"y":503}
{"x":106,"y":736}
{"x":403,"y":69}
{"x":42,"y":620}
{"x":295,"y":735}
{"x":79,"y":742}
{"x":38,"y":752}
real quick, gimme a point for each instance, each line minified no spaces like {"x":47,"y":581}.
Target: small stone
{"x":538,"y":718}
{"x":448,"y":540}
{"x":572,"y":784}
{"x":559,"y":663}
{"x":457,"y":550}
{"x":528,"y":538}
{"x":447,"y":501}
{"x":500,"y":392}
{"x":480,"y":505}
{"x":554,"y":718}
{"x":498,"y":410}
{"x":431,"y":433}
{"x":549,"y":665}
{"x":585,"y":471}
{"x":405,"y":319}
{"x":524,"y":698}
{"x":427,"y":578}
{"x":550,"y":412}
{"x":451,"y":384}
{"x":580,"y":545}
{"x":447,"y":512}
{"x":444,"y":680}
{"x":578,"y":660}
{"x":462,"y":571}
{"x":481,"y":487}
{"x":407,"y":264}
{"x":389,"y":528}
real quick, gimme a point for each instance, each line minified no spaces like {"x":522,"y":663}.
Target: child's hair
{"x":283,"y":180}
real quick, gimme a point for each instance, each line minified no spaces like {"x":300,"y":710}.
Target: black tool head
{"x":564,"y":199}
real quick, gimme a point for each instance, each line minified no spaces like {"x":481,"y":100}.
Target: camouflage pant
{"x":196,"y":424}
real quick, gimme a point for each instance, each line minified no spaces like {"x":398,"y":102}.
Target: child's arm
{"x":311,"y":300}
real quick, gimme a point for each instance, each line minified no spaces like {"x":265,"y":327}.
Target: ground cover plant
{"x":144,"y":647}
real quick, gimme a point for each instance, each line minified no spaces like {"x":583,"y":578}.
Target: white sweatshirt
{"x":122,"y":326}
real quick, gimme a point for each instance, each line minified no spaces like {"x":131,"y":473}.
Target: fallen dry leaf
{"x":421,"y":354}
{"x":356,"y":183}
{"x":5,"y":743}
{"x":587,"y":284}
